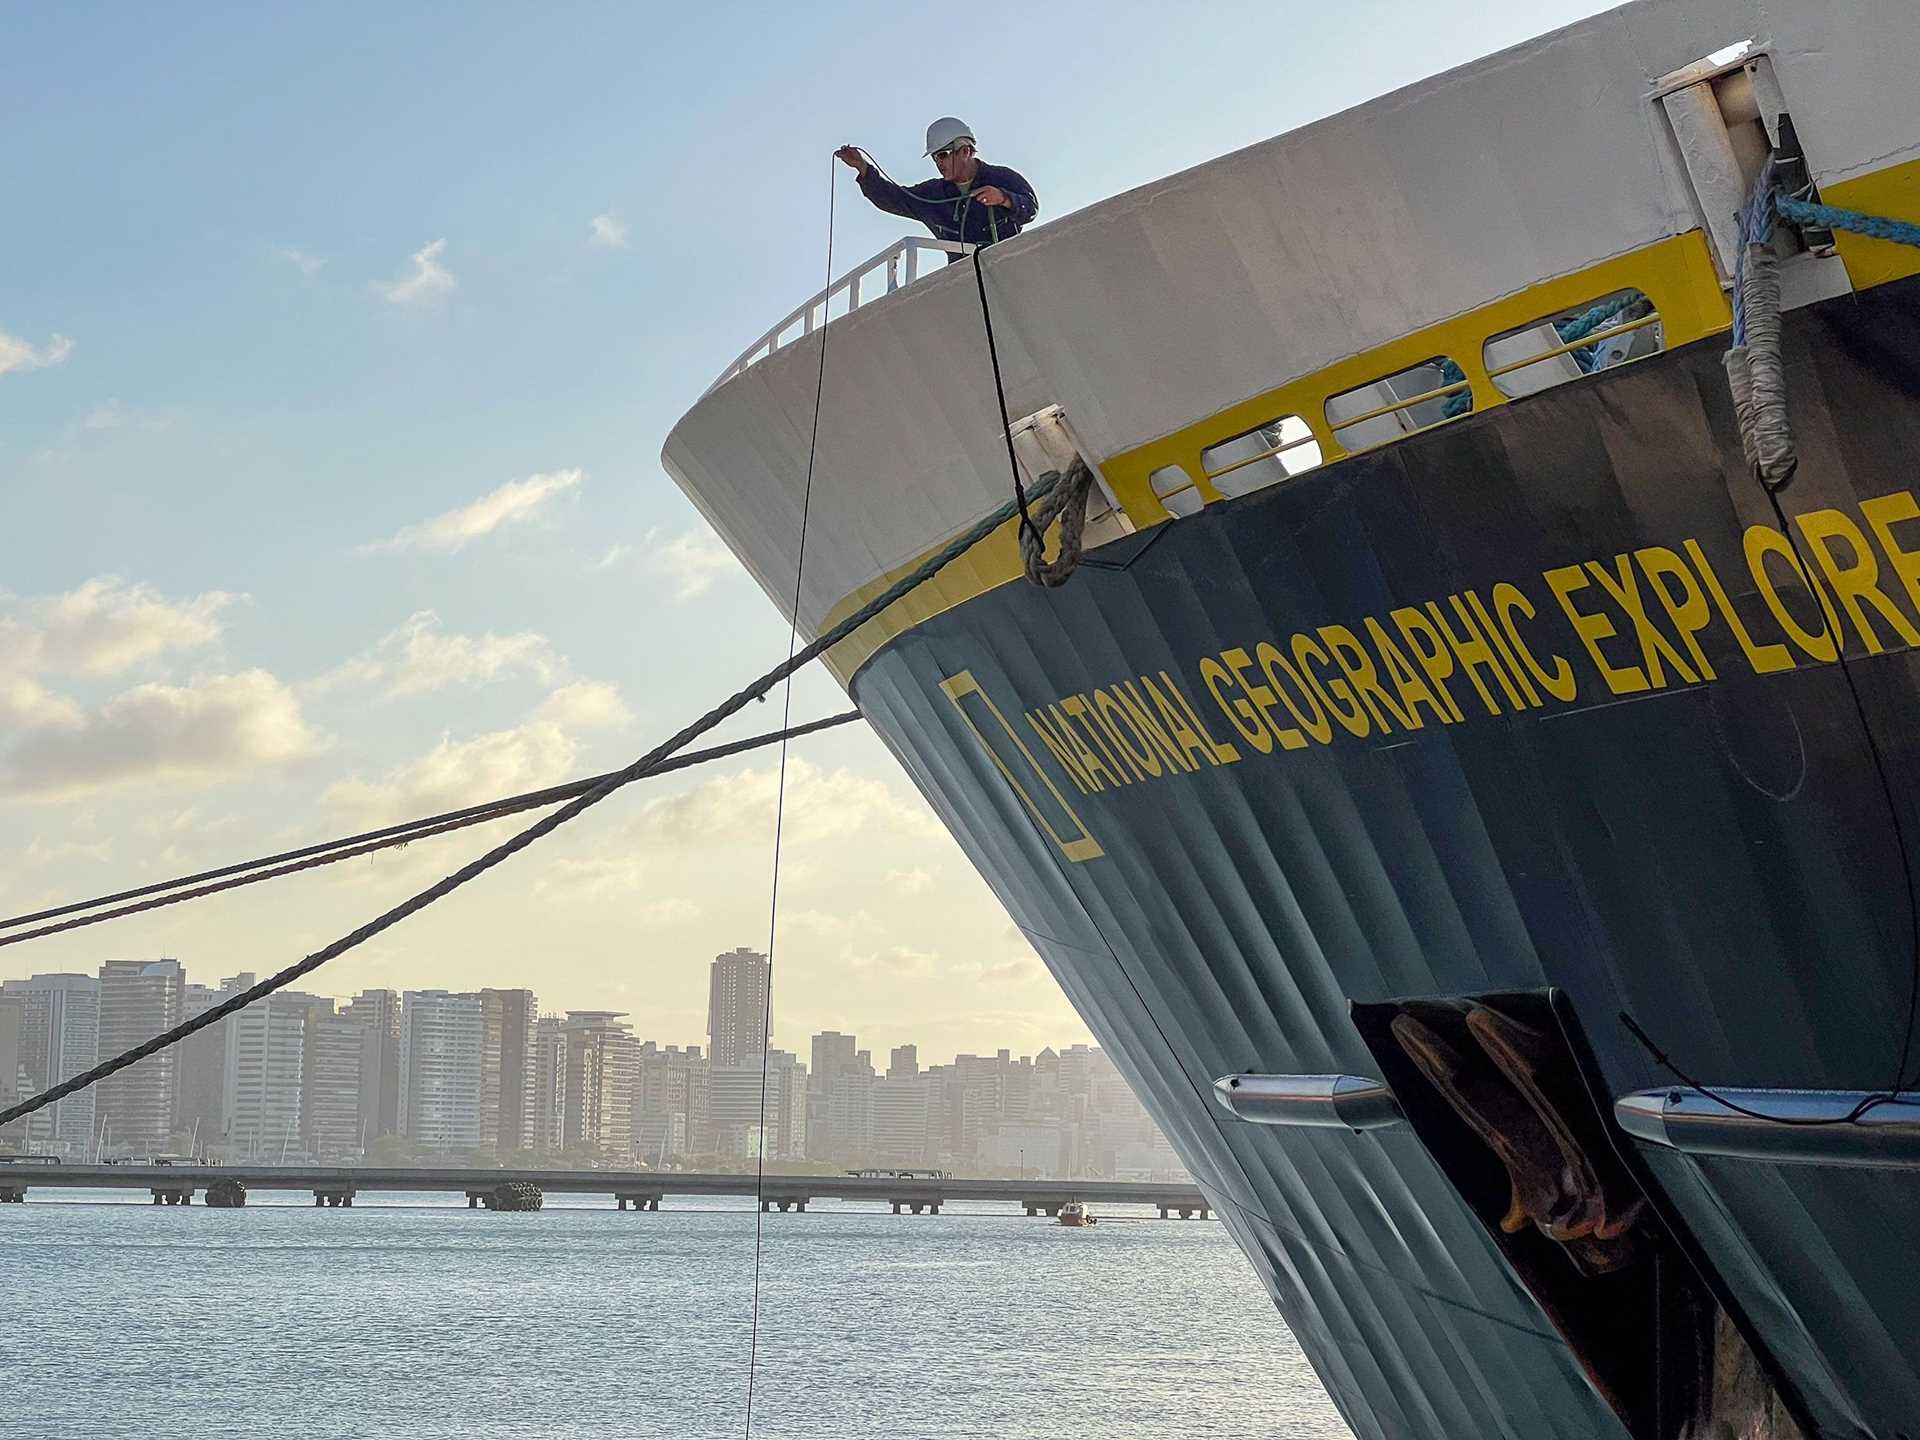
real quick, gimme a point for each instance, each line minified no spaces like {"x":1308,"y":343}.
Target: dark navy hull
{"x":1713,"y":855}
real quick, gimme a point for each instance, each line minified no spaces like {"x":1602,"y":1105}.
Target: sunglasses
{"x":951,"y":150}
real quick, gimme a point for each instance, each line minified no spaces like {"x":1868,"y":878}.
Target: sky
{"x":337,"y":349}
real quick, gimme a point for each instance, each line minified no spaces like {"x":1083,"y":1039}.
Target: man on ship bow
{"x":972,"y":201}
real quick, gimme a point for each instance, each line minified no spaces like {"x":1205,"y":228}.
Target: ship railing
{"x":899,"y":263}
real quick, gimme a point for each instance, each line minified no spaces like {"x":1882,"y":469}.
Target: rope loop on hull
{"x":1065,"y":501}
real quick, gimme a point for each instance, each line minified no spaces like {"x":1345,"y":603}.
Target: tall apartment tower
{"x":59,"y":1037}
{"x":13,"y":1020}
{"x":440,"y":1039}
{"x":138,"y":1000}
{"x":737,"y":1007}
{"x":839,"y":1098}
{"x":200,"y":1090}
{"x":340,"y":1085}
{"x":601,"y":1066}
{"x":549,"y":1083}
{"x":670,"y":1102}
{"x":265,"y":1078}
{"x":507,"y":1019}
{"x":380,"y":1009}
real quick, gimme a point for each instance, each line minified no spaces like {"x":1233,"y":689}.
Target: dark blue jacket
{"x":944,"y":209}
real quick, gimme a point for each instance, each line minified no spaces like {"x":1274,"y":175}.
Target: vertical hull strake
{"x":1426,"y":765}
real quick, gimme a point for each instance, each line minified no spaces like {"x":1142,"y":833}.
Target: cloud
{"x":105,"y":626}
{"x":217,"y":727}
{"x":904,"y":961}
{"x":458,"y":773}
{"x":41,"y":852}
{"x":827,"y":924}
{"x":190,"y":821}
{"x":616,"y":552}
{"x":419,"y":658}
{"x":693,"y":561}
{"x":588,"y":705}
{"x":608,"y":232}
{"x":513,"y":503}
{"x":593,"y":878}
{"x":429,"y":281}
{"x":18,"y":354}
{"x":107,"y":415}
{"x":820,"y":805}
{"x":26,"y":703}
{"x":310,"y":265}
{"x":916,"y":881}
{"x":896,"y":961}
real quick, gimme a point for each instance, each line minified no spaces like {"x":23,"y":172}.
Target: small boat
{"x":1075,"y":1214}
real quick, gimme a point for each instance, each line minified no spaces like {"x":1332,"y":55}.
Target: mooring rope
{"x":646,"y":765}
{"x":330,"y":852}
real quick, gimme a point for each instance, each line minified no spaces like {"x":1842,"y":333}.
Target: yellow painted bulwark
{"x":1676,"y":274}
{"x":1893,"y":193}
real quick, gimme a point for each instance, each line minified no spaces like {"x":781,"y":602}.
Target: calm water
{"x":410,"y":1316}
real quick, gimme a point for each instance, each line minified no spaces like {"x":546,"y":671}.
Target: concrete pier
{"x":335,"y":1186}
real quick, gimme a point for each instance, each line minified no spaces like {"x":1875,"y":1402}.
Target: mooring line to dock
{"x":646,"y":765}
{"x":368,"y":842}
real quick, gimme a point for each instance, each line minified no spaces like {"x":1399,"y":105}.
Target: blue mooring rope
{"x":1831,"y":217}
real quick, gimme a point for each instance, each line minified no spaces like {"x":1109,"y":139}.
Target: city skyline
{"x":423,"y":1074}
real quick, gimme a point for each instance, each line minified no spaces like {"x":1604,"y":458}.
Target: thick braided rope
{"x":1066,"y":500}
{"x":313,"y":857}
{"x":1831,"y":217}
{"x":1588,"y":321}
{"x":644,"y":766}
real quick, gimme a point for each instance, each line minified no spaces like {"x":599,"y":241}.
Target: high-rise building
{"x":742,"y":1125}
{"x":13,"y":1021}
{"x":265,"y":1078}
{"x":440,"y":1036}
{"x":59,"y":1038}
{"x":549,"y":1083}
{"x":900,"y":1109}
{"x":380,"y":1010}
{"x":138,"y":1000}
{"x":600,"y":1067}
{"x":737,"y":1007}
{"x":199,"y":1106}
{"x":786,"y":1106}
{"x":904,"y":1063}
{"x":839,"y":1099}
{"x":507,"y":1019}
{"x":670,"y":1116}
{"x":340,"y":1092}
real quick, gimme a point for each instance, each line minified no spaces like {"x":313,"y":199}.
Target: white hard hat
{"x":946,"y":131}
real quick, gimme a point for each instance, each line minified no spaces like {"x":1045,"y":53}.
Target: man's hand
{"x":992,"y":195}
{"x":850,"y":155}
